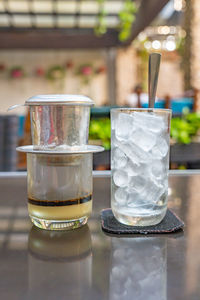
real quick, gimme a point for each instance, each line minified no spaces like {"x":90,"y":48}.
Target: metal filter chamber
{"x":59,"y":120}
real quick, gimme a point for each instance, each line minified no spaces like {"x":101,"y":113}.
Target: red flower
{"x":100,"y":70}
{"x":2,"y":67}
{"x":17,"y":73}
{"x":69,"y":64}
{"x":40,"y":72}
{"x":86,"y":70}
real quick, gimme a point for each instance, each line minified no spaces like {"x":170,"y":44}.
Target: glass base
{"x":148,"y":220}
{"x":58,"y":224}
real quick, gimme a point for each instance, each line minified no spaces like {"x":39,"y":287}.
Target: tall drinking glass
{"x":140,"y":164}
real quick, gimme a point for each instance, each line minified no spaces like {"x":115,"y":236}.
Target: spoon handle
{"x":14,"y":106}
{"x":154,"y":65}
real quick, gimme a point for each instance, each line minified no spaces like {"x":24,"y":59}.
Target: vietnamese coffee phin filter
{"x":59,"y":163}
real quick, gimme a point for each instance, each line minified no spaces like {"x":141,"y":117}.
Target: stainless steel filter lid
{"x":62,"y":150}
{"x":59,"y":100}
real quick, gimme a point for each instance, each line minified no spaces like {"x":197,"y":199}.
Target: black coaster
{"x":171,"y":223}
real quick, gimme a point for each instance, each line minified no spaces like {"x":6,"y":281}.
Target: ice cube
{"x":156,"y":153}
{"x":152,"y":192}
{"x":120,"y":178}
{"x":134,"y":199}
{"x":128,"y":284}
{"x":128,"y":255}
{"x":161,"y":148}
{"x":138,"y":272}
{"x":123,"y":126}
{"x":134,"y":169}
{"x":163,"y":198}
{"x":119,"y":158}
{"x":121,"y":293}
{"x":114,"y":141}
{"x":144,"y":139}
{"x":121,"y":196}
{"x":119,"y":272}
{"x":113,"y":120}
{"x":149,"y":121}
{"x":136,"y":154}
{"x":118,"y":153}
{"x":137,"y":183}
{"x":126,"y":148}
{"x":158,"y":169}
{"x":118,"y":254}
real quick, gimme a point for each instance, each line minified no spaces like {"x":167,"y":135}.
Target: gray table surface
{"x":88,"y":264}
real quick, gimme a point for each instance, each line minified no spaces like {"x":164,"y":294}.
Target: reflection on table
{"x":60,"y":263}
{"x":138,"y":269}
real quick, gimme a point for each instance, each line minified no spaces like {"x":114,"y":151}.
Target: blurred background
{"x":100,"y":48}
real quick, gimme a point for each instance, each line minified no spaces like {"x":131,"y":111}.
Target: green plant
{"x":185,"y":128}
{"x":126,"y":17}
{"x":194,"y":119}
{"x":56,"y":73}
{"x":180,"y":46}
{"x":143,"y":56}
{"x":182,"y":129}
{"x":101,"y":26}
{"x":100,"y":129}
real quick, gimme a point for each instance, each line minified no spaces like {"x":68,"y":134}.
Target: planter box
{"x":186,"y":154}
{"x":102,"y":159}
{"x":179,"y":154}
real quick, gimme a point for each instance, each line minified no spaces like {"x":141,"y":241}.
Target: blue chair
{"x":101,"y":112}
{"x":21,"y":126}
{"x":158,"y":104}
{"x":178,"y":105}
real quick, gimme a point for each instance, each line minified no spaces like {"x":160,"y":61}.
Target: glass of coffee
{"x":59,"y":189}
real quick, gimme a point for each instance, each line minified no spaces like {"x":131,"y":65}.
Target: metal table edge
{"x":99,"y":174}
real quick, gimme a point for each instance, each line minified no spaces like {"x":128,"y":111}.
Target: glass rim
{"x":163,"y":110}
{"x":59,"y":99}
{"x":68,"y":151}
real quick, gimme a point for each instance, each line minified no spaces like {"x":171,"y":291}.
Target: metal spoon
{"x":154,"y":65}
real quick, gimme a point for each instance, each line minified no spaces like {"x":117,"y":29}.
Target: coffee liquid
{"x":60,"y":202}
{"x":60,"y":209}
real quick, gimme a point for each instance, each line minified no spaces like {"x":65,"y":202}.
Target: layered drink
{"x":59,"y":188}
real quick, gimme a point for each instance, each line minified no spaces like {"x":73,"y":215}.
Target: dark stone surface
{"x":92,"y":265}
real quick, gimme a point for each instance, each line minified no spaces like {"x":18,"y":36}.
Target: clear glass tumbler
{"x":59,"y":190}
{"x":139,"y":165}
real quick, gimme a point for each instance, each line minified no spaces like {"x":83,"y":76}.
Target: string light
{"x":147,"y":45}
{"x":156,"y":44}
{"x":170,"y":45}
{"x":178,"y":5}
